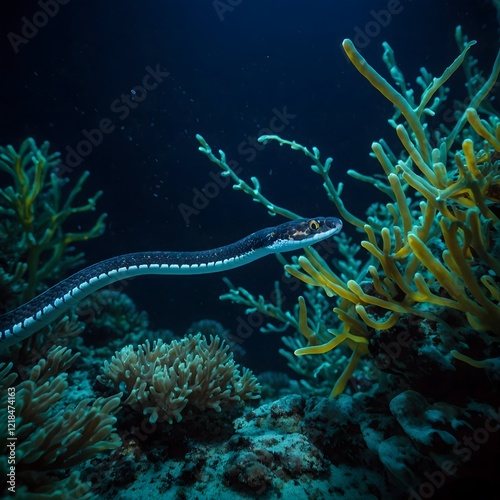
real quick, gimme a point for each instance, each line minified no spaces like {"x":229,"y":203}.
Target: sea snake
{"x":29,"y":318}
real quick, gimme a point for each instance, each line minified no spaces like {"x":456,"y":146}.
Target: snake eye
{"x":313,"y":225}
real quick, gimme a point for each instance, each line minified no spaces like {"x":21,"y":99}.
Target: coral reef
{"x":379,"y":443}
{"x":416,"y":309}
{"x":54,"y":434}
{"x":35,"y":243}
{"x":273,"y":451}
{"x":432,"y":253}
{"x":166,"y":382}
{"x":315,"y":447}
{"x":51,"y":435}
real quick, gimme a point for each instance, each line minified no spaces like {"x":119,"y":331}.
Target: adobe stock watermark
{"x":379,"y":19}
{"x":248,"y":148}
{"x":223,"y":6}
{"x":120,"y":110}
{"x":456,"y":109}
{"x":463,"y":451}
{"x":254,"y":321}
{"x":277,"y":124}
{"x":65,"y":328}
{"x":30,"y":27}
{"x":132,"y":441}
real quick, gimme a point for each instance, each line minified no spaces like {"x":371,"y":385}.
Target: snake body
{"x":29,"y":318}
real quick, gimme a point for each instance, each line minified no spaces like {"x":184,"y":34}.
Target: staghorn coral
{"x":431,"y":250}
{"x":52,"y":437}
{"x":34,"y":209}
{"x":167,"y":381}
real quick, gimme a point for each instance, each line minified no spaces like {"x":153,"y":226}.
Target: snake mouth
{"x":334,"y":223}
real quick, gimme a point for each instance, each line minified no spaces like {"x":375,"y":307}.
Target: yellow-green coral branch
{"x":476,"y":101}
{"x":386,"y":89}
{"x":439,"y":82}
{"x":339,"y":386}
{"x":402,"y":202}
{"x":411,"y":115}
{"x":481,"y":128}
{"x":472,"y":362}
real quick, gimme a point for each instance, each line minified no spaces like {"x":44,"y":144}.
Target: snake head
{"x":301,"y":233}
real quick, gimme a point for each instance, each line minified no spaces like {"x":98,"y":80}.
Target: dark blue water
{"x":121,"y":88}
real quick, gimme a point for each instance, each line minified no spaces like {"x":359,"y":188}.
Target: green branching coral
{"x":52,"y":437}
{"x":34,"y":209}
{"x":167,"y":381}
{"x":431,"y":251}
{"x":455,"y":193}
